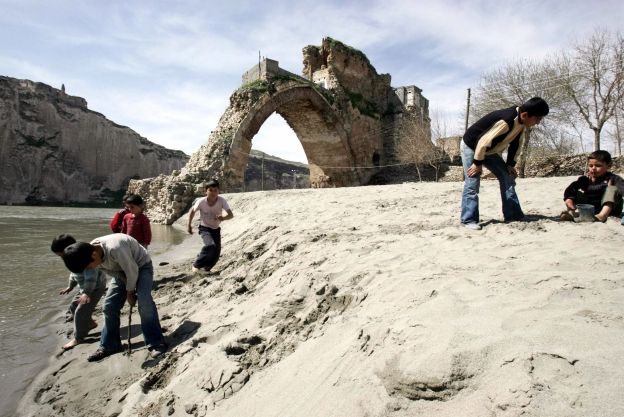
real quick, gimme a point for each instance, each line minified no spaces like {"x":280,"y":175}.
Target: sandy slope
{"x":372,"y":301}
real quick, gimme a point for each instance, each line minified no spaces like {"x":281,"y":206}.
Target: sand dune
{"x":373,"y":301}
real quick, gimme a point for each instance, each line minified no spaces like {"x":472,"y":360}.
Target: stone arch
{"x":317,"y":126}
{"x":348,"y":128}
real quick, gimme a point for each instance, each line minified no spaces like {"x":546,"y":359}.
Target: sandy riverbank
{"x":372,"y":301}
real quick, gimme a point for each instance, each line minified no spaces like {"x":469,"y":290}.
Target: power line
{"x":563,"y":76}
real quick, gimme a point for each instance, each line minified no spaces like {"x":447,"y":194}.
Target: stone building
{"x":450,"y":148}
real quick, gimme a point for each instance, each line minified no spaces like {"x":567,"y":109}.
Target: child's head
{"x":602,"y":156}
{"x":134,"y":202}
{"x":532,"y":111}
{"x":598,"y":163}
{"x":212,"y":187}
{"x":60,"y":242}
{"x":79,"y":256}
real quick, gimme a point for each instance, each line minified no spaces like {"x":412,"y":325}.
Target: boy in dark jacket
{"x":482,"y":145}
{"x":600,"y":188}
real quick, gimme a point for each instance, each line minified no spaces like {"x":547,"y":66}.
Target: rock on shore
{"x":373,"y":301}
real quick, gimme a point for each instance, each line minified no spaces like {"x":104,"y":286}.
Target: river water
{"x":31,"y":311}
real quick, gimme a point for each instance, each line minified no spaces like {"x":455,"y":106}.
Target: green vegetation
{"x":259,"y":86}
{"x":364,"y":106}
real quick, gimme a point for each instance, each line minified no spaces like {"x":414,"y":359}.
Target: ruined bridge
{"x":347,"y":117}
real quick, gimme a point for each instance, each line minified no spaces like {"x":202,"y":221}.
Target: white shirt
{"x":208,"y":214}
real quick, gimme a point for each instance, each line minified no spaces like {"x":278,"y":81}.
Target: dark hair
{"x":535,"y":106}
{"x":60,"y":242}
{"x":134,"y":199}
{"x":602,"y":156}
{"x":212,"y":183}
{"x":77,"y":256}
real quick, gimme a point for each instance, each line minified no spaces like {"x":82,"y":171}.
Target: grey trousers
{"x":83,"y":315}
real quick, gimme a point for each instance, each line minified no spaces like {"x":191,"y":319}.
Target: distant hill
{"x":274,"y":173}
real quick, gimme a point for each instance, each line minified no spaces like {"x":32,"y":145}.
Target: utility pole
{"x":618,"y":138}
{"x":467,"y":110}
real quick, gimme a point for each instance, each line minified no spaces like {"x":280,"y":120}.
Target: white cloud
{"x":167,"y":70}
{"x":17,"y":68}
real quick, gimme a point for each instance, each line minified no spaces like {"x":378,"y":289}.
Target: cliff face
{"x":53,"y":149}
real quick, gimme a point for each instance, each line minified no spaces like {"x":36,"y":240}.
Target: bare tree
{"x":592,"y":76}
{"x":513,"y":84}
{"x":617,"y":131}
{"x":415,"y":146}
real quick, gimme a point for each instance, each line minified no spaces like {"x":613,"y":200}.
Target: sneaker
{"x":199,"y":271}
{"x":157,"y":351}
{"x":472,"y":226}
{"x":100,"y":354}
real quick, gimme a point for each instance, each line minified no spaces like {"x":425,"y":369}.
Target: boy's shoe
{"x":566,"y":216}
{"x":472,"y":226}
{"x":100,"y":354}
{"x":157,"y":351}
{"x":199,"y":271}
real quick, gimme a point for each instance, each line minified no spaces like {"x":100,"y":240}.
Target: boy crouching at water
{"x":92,"y":284}
{"x":599,"y":188}
{"x":123,"y":258}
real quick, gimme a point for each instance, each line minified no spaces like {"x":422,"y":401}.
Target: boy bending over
{"x":124,"y":259}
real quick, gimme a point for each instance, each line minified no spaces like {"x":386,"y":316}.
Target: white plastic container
{"x":586,"y":212}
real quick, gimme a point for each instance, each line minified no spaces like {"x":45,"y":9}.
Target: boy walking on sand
{"x":600,"y":188}
{"x":211,"y":210}
{"x":123,"y":258}
{"x":482,"y":145}
{"x":92,"y":284}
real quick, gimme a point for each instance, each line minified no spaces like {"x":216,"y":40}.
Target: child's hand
{"x":570,"y":204}
{"x":84,"y":299}
{"x":65,"y":291}
{"x":131,"y":296}
{"x":474,"y":170}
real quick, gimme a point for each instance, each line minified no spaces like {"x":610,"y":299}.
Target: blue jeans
{"x":115,"y":300}
{"x":470,"y":196}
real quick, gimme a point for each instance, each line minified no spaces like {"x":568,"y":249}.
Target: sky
{"x":166,"y":69}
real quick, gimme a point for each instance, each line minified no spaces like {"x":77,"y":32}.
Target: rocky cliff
{"x":54,"y":150}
